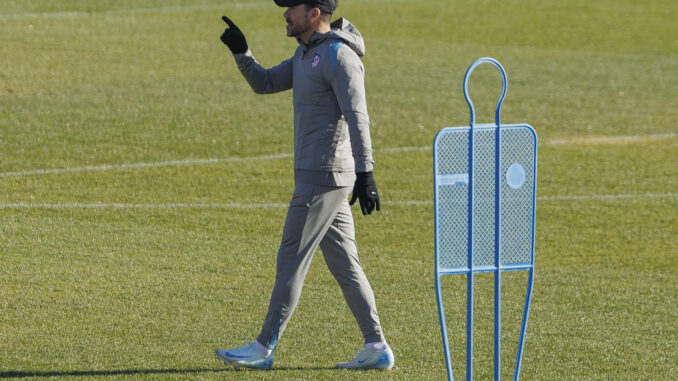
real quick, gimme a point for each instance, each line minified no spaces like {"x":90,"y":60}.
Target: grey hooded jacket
{"x":331,"y":125}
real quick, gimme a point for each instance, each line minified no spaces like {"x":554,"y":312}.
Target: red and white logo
{"x":316,"y":60}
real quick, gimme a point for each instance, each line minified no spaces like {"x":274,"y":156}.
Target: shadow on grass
{"x":117,"y":372}
{"x":128,"y":372}
{"x":322,"y":368}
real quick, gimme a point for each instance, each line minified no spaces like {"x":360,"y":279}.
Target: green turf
{"x":141,"y":272}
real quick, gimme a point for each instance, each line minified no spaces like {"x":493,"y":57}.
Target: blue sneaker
{"x":370,"y":359}
{"x":246,"y":356}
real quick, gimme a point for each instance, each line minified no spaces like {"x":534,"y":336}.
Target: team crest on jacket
{"x":316,"y":60}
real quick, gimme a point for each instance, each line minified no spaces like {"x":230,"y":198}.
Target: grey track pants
{"x":319,"y":216}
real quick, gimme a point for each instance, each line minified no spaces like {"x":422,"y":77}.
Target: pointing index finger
{"x":228,"y":21}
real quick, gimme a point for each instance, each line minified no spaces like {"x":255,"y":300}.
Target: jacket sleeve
{"x":262,"y":80}
{"x":348,"y":84}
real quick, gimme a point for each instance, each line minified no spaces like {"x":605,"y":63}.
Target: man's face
{"x":298,"y":20}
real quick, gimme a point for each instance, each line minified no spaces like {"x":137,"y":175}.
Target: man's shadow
{"x":115,"y":372}
{"x":129,"y":372}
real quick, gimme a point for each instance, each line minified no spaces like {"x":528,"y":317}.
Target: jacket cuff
{"x":364,"y":167}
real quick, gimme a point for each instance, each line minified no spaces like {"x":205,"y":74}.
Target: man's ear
{"x":315,"y":13}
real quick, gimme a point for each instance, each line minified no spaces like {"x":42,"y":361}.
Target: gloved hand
{"x":233,"y":37}
{"x":365,"y":189}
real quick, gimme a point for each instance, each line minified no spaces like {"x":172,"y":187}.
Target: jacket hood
{"x":341,"y":29}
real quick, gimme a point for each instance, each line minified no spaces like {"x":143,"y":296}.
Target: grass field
{"x":143,"y":188}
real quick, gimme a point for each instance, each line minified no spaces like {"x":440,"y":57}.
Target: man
{"x":332,"y":156}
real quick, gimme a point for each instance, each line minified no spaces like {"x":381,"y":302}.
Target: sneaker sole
{"x":366,"y":368}
{"x":369,"y":367}
{"x":237,"y":364}
{"x":386,"y":362}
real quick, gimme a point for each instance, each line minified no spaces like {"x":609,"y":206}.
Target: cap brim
{"x":288,"y":3}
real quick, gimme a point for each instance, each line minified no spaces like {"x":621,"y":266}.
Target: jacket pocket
{"x":338,"y":155}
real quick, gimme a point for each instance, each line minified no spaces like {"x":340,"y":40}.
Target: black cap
{"x":326,"y":6}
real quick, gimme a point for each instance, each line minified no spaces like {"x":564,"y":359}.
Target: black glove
{"x":366,"y":190}
{"x":233,"y":37}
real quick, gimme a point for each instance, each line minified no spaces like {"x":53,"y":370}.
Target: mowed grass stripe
{"x":232,"y":205}
{"x":172,"y":163}
{"x":165,"y":9}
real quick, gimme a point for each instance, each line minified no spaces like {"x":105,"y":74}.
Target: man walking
{"x":332,"y":156}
